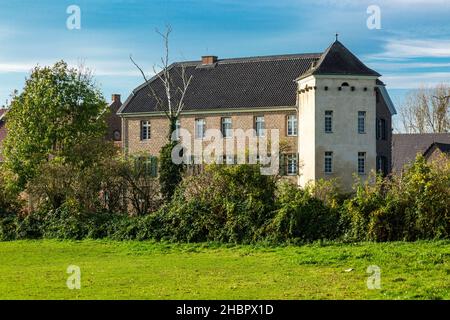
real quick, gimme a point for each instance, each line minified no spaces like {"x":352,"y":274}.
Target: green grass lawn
{"x":147,"y":270}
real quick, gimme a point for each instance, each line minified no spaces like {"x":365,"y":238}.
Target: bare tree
{"x":427,"y":110}
{"x":175,"y":89}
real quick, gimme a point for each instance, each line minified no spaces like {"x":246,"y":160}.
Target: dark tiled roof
{"x":232,"y":83}
{"x":249,"y":82}
{"x":337,"y":59}
{"x":405,"y":147}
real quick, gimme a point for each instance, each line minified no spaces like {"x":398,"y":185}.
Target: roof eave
{"x":387,"y":99}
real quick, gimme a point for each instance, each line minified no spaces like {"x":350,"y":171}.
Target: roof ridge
{"x":281,"y":57}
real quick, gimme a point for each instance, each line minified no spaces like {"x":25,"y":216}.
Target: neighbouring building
{"x":3,"y":130}
{"x":113,"y":121}
{"x":331,"y":110}
{"x":406,"y":147}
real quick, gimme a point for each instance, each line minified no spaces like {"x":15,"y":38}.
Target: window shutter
{"x":136,"y":164}
{"x":154,"y":166}
{"x":282,"y":165}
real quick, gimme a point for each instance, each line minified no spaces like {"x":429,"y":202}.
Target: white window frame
{"x":177,"y":130}
{"x":292,"y":125}
{"x":200,"y":133}
{"x":292,"y":165}
{"x":328,"y":162}
{"x":145,"y":130}
{"x":226,"y":127}
{"x":361,"y":163}
{"x":328,"y":125}
{"x":361,"y":122}
{"x":260,"y":126}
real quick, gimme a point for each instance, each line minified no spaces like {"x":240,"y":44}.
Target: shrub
{"x":424,"y":195}
{"x":224,"y":203}
{"x":9,"y":199}
{"x":411,"y":206}
{"x":301,"y":217}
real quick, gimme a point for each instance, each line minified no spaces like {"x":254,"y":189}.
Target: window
{"x":292,"y":165}
{"x":292,"y":125}
{"x":361,"y":163}
{"x":260,"y":126}
{"x":226,"y":127}
{"x":382,"y":165}
{"x":381,"y":129}
{"x":177,"y":130}
{"x":328,"y":162}
{"x":200,"y":128}
{"x":145,"y":130}
{"x":146,"y":166}
{"x":361,"y":121}
{"x":328,"y":121}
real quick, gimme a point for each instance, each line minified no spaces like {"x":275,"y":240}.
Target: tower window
{"x":381,"y":129}
{"x":361,"y":163}
{"x":382,"y":165}
{"x":328,"y":121}
{"x":361,"y":121}
{"x":328,"y":162}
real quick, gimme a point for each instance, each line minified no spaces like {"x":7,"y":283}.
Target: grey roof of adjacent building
{"x":254,"y":82}
{"x":406,"y":147}
{"x":442,"y":147}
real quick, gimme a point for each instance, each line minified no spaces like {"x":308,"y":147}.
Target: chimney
{"x":116,"y":97}
{"x":208,"y":60}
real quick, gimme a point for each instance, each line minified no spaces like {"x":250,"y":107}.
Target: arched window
{"x":345,"y":84}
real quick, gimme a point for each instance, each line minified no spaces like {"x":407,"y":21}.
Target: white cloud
{"x":99,"y":68}
{"x":410,"y":48}
{"x":408,"y":65}
{"x":415,"y":80}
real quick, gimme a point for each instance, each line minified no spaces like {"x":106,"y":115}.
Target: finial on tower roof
{"x":337,"y":36}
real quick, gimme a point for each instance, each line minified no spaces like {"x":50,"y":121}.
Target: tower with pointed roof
{"x":337,"y":105}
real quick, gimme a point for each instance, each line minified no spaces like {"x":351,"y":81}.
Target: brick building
{"x":332,"y":112}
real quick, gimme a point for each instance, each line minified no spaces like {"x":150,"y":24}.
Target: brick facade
{"x":159,"y":128}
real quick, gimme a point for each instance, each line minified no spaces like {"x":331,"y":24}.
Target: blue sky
{"x":411,"y":49}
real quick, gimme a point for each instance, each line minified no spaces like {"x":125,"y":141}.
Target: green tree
{"x":59,"y":111}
